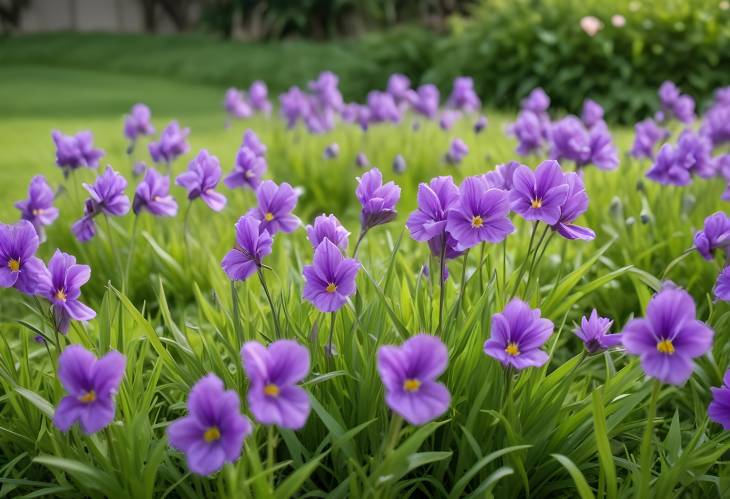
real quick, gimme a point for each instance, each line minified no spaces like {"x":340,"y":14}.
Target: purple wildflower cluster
{"x":239,"y":104}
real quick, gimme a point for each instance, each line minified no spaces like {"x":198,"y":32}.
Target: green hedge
{"x":511,"y":46}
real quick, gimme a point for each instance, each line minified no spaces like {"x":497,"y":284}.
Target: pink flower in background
{"x":591,"y":25}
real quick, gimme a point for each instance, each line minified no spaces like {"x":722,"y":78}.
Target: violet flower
{"x":457,"y":152}
{"x":575,"y":205}
{"x":331,"y":151}
{"x":137,"y":123}
{"x":275,"y":206}
{"x":213,"y":432}
{"x":719,"y":409}
{"x":501,"y":176}
{"x":252,"y":141}
{"x":361,"y":160}
{"x":669,"y":337}
{"x":382,"y":108}
{"x":273,"y":395}
{"x":677,"y":105}
{"x":258,"y":95}
{"x":434,"y":201}
{"x":409,"y":373}
{"x":201,"y":179}
{"x":327,"y":227}
{"x":536,"y":102}
{"x":76,"y":151}
{"x":378,"y":200}
{"x":153,"y":194}
{"x":247,"y":171}
{"x":91,"y":385}
{"x":425,"y":100}
{"x":19,"y":267}
{"x":667,"y":170}
{"x":694,"y":153}
{"x":38,"y":209}
{"x":480,"y":124}
{"x":529,"y":130}
{"x":330,"y":280}
{"x":517,"y":333}
{"x":399,"y":164}
{"x":648,"y":134}
{"x":479,"y":215}
{"x":722,"y":285}
{"x":539,"y":195}
{"x":249,"y":250}
{"x":463,"y":97}
{"x":61,"y":285}
{"x":172,"y":144}
{"x":106,"y":196}
{"x":448,"y":119}
{"x":398,"y":87}
{"x":593,"y":332}
{"x":236,"y":105}
{"x":715,"y":235}
{"x":592,"y":113}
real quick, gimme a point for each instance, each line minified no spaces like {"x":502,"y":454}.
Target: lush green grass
{"x":177,"y":322}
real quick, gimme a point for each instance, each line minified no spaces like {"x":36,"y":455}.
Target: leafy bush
{"x":511,"y":46}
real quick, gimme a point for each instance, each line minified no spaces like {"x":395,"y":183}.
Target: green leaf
{"x":603,"y":445}
{"x":293,"y":482}
{"x":461,"y":485}
{"x":39,"y":402}
{"x":584,"y":490}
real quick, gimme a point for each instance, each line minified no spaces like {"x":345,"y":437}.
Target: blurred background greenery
{"x":618,"y":52}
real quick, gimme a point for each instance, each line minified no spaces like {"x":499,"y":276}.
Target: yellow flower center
{"x":156,"y":199}
{"x":38,"y":211}
{"x":512,"y":349}
{"x":537,"y":203}
{"x":14,"y":265}
{"x":250,"y":174}
{"x":88,"y":397}
{"x":271,"y":390}
{"x":212,"y":434}
{"x":665,"y":346}
{"x":269,"y":216}
{"x":331,"y":287}
{"x":411,"y":385}
{"x":476,"y":221}
{"x":60,"y":295}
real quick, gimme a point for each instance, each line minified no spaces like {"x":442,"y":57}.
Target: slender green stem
{"x":524,"y":262}
{"x":186,"y":220}
{"x":504,"y":265}
{"x":359,"y":241}
{"x":112,"y":246}
{"x":274,"y":314}
{"x":442,"y":295}
{"x":389,"y":443}
{"x":537,"y":255}
{"x":132,"y":242}
{"x":271,"y":453}
{"x":463,"y":282}
{"x":333,"y":316}
{"x":646,"y":448}
{"x":481,"y":261}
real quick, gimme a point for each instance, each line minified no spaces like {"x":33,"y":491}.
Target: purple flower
{"x":694,"y":153}
{"x":603,"y":151}
{"x":399,"y":164}
{"x":212,"y":433}
{"x":719,"y":409}
{"x":327,"y":227}
{"x":593,"y":331}
{"x":669,"y":337}
{"x":252,"y":245}
{"x":153,"y":195}
{"x":139,"y":168}
{"x":425,"y":100}
{"x":91,"y":385}
{"x":398,"y":87}
{"x":434,"y":201}
{"x":448,"y":118}
{"x":61,"y":285}
{"x":539,"y":195}
{"x":530,"y":131}
{"x":330,"y":280}
{"x":481,"y":124}
{"x":19,"y":267}
{"x":667,"y":170}
{"x":201,"y":179}
{"x":457,"y":152}
{"x":326,"y":92}
{"x":571,"y":141}
{"x":716,"y":124}
{"x":378,"y":200}
{"x":273,"y":394}
{"x":252,"y":141}
{"x":138,"y":122}
{"x":75,"y":151}
{"x":517,"y":334}
{"x":173,"y":143}
{"x":236,"y":105}
{"x":356,"y":113}
{"x":479,"y":215}
{"x":382,"y":108}
{"x":274,"y":211}
{"x":331,"y":151}
{"x":107,"y":193}
{"x":722,"y":286}
{"x":648,"y":133}
{"x":361,"y":160}
{"x":258,"y":94}
{"x":463,"y":96}
{"x":247,"y":171}
{"x":675,"y":104}
{"x":536,"y":102}
{"x":38,"y":209}
{"x":715,"y":235}
{"x":84,"y":229}
{"x":575,"y":205}
{"x":409,"y":373}
{"x":592,"y":113}
{"x":501,"y":176}
{"x":294,"y":106}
